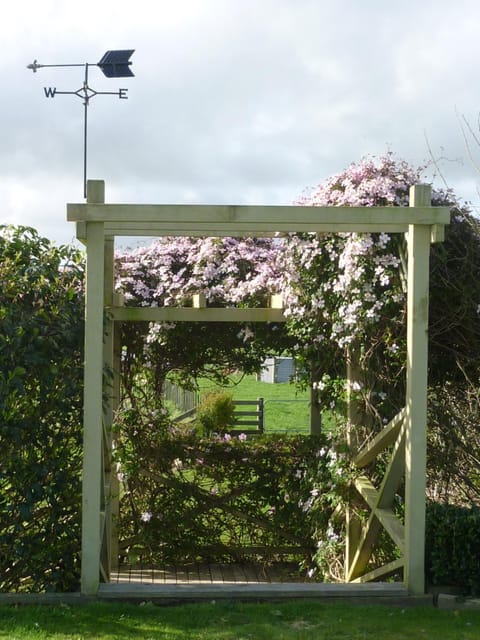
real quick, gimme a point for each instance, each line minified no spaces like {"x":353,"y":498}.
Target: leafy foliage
{"x":236,"y":498}
{"x":41,"y":344}
{"x":454,"y":444}
{"x":346,"y":294}
{"x":454,"y":327}
{"x":453,"y":547}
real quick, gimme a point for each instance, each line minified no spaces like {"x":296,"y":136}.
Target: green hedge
{"x":41,"y":353}
{"x":452,"y":549}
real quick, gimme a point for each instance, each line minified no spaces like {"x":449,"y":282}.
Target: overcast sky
{"x":233,"y":101}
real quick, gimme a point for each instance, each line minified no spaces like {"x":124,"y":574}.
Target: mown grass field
{"x":287,"y":409}
{"x":235,"y":621}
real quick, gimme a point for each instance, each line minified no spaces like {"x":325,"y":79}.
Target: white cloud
{"x":232,"y":100}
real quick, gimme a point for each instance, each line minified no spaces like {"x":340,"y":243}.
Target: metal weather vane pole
{"x":114,"y":64}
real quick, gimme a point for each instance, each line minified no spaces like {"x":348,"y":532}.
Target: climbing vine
{"x":194,"y":498}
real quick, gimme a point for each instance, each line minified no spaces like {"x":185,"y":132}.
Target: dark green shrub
{"x":41,"y":347}
{"x":215,"y":413}
{"x":452,"y":551}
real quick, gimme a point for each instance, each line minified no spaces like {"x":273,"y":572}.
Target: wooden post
{"x":355,"y":417}
{"x":276,"y":301}
{"x":110,"y":477}
{"x":115,"y":486}
{"x":93,"y":413}
{"x":315,"y":412}
{"x":261,"y":415}
{"x":416,"y":400}
{"x":199,"y":301}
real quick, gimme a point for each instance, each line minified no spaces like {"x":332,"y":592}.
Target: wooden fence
{"x":183,"y":399}
{"x":249,"y":414}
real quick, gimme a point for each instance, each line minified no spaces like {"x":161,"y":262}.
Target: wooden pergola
{"x":97,"y":225}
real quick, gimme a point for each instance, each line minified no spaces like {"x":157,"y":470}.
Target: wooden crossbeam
{"x":387,"y":518}
{"x":158,"y":229}
{"x":106,"y":448}
{"x":257,"y":218}
{"x":382,"y":572}
{"x":103,"y":559}
{"x":191,"y":314}
{"x":393,"y":474}
{"x":381,"y":441}
{"x":198,"y":312}
{"x":380,"y":502}
{"x":363,"y":552}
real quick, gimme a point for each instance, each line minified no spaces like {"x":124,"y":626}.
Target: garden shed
{"x":278,"y":369}
{"x":97,"y":225}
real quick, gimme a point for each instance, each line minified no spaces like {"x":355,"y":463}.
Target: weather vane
{"x":114,"y":64}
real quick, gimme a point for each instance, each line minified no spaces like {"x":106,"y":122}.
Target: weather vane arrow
{"x":114,"y":64}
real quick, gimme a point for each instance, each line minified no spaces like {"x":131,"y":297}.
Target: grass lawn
{"x":286,"y":408}
{"x":229,"y":621}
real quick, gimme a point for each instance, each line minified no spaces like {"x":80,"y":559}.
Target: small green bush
{"x":215,"y":414}
{"x":452,"y":547}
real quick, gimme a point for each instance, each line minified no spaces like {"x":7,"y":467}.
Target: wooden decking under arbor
{"x":212,"y":573}
{"x":198,"y":582}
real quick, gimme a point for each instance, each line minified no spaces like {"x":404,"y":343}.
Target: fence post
{"x":261,"y":415}
{"x":416,"y":401}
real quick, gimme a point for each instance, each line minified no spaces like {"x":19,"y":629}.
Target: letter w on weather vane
{"x":114,"y":64}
